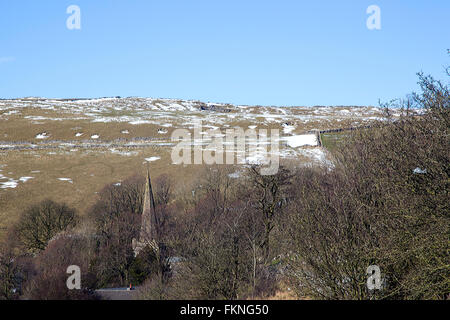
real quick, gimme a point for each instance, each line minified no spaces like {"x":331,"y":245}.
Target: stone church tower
{"x":149,"y":222}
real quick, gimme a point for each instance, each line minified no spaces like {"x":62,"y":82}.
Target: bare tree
{"x":49,"y":281}
{"x":385,"y":203}
{"x":268,"y":197}
{"x":42,"y":222}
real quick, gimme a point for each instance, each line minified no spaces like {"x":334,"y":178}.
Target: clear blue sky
{"x":238,"y":51}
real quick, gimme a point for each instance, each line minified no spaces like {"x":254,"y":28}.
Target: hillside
{"x":67,"y":150}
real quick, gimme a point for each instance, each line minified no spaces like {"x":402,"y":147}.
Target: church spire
{"x":149,"y":222}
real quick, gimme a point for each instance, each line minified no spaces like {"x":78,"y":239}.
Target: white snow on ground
{"x":10,"y":112}
{"x":317,"y":155}
{"x":124,"y":153}
{"x":302,"y":140}
{"x":287,"y":129}
{"x":9,"y":184}
{"x":78,"y":134}
{"x":258,"y":155}
{"x":42,"y":135}
{"x":25,"y":179}
{"x":95,"y":136}
{"x":140,"y":122}
{"x":125,"y":131}
{"x":162,"y":131}
{"x":65,"y":179}
{"x":252,"y":127}
{"x":151,"y":159}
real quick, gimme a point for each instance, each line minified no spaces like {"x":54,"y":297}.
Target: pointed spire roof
{"x":149,"y":220}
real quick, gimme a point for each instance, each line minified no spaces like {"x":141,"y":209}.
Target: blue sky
{"x":238,"y":51}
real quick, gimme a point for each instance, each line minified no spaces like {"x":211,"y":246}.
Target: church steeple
{"x":149,"y":221}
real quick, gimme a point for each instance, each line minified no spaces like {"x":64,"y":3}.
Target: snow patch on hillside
{"x":42,"y":135}
{"x":151,"y":159}
{"x":302,"y":140}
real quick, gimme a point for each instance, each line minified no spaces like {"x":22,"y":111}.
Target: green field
{"x":331,"y":140}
